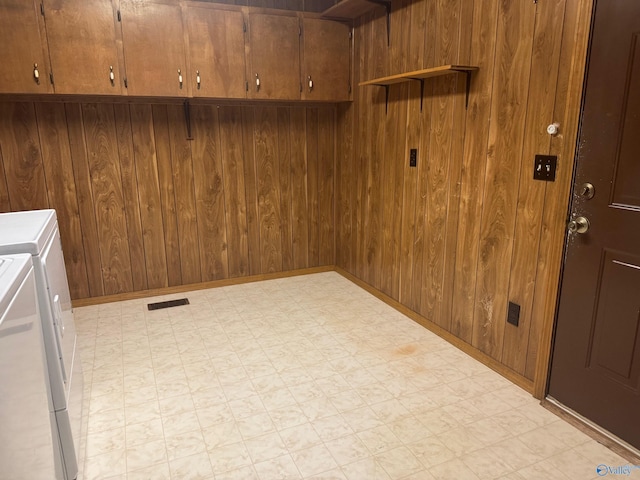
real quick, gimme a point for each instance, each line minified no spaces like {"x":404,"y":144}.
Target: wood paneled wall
{"x":142,"y":207}
{"x":458,"y":236}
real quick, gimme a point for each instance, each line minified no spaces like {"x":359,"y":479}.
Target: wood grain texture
{"x":106,"y":180}
{"x":467,"y":221}
{"x":299,"y":204}
{"x":326,"y":186}
{"x":344,"y":173}
{"x":568,"y":96}
{"x":234,"y":190}
{"x":506,"y":136}
{"x":284,"y":167}
{"x":184,"y":196}
{"x":312,"y":186}
{"x":84,"y":192}
{"x":167,"y":196}
{"x":5,"y":206}
{"x":21,"y":151}
{"x":61,"y":189}
{"x":251,"y":187}
{"x":149,"y":191}
{"x":544,"y":71}
{"x":210,"y":202}
{"x":131,"y":196}
{"x":267,"y":188}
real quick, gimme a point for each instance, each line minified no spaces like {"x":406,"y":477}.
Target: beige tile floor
{"x":307,"y":377}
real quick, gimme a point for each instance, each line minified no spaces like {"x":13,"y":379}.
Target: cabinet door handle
{"x":198,"y":78}
{"x":180,"y":78}
{"x":257,"y":83}
{"x":310,"y":83}
{"x":36,"y":73}
{"x":112,"y":76}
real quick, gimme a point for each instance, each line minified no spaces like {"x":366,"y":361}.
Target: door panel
{"x":23,"y":47}
{"x":153,"y":39}
{"x":327,"y":54}
{"x":82,"y":43}
{"x":595,"y":368}
{"x":216,"y":49}
{"x":274,"y":44}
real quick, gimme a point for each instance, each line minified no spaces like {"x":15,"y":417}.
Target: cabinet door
{"x":154,"y":51}
{"x":327,"y":54}
{"x":216,"y":52}
{"x":274,"y":57}
{"x":23,"y":52}
{"x":82,"y":46}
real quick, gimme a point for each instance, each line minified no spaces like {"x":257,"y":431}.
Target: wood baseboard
{"x":86,"y":302}
{"x":470,"y":350}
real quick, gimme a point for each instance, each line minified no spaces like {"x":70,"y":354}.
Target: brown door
{"x":216,"y":50}
{"x":23,"y":62}
{"x":82,"y":45}
{"x":596,"y":358}
{"x":274,"y":58}
{"x":154,"y":51}
{"x":327,"y":54}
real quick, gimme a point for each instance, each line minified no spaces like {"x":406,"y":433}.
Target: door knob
{"x":579,"y":225}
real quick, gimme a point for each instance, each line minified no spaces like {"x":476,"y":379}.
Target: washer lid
{"x":26,"y":232}
{"x":13,"y":269}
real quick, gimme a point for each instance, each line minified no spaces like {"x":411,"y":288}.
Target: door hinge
{"x":349,"y":88}
{"x":350,"y":34}
{"x":244,"y":27}
{"x":42,"y":9}
{"x":51,"y":77}
{"x":125,"y":83}
{"x":246,"y":85}
{"x":300,"y":88}
{"x":119,"y":16}
{"x":299,"y":31}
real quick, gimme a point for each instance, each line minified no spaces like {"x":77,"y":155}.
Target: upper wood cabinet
{"x":274,"y":57}
{"x":24,"y":65}
{"x":154,"y":49}
{"x":216,"y":52}
{"x":82,"y":46}
{"x":326,"y":60}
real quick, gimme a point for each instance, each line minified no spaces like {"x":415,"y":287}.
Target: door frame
{"x":568,"y":112}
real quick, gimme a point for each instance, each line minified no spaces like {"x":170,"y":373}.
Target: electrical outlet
{"x":413,"y":157}
{"x":513,"y":315}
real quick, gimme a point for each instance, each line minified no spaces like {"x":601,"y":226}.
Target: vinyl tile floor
{"x":307,"y":377}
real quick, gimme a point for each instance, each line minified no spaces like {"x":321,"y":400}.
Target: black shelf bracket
{"x":468,"y":86}
{"x":386,"y":95}
{"x":387,"y":5}
{"x":421,"y":80}
{"x":187,"y":119}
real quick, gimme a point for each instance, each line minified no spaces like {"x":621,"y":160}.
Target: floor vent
{"x":168,"y":303}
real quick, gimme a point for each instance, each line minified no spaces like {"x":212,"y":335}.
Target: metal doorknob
{"x":579,"y":225}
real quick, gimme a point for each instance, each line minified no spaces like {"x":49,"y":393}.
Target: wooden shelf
{"x":352,"y":8}
{"x":420,"y":76}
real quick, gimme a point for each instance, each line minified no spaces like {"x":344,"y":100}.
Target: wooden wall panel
{"x":471,"y":216}
{"x":207,"y":171}
{"x":84,"y":192}
{"x":149,"y":192}
{"x":167,"y":196}
{"x":106,"y":183}
{"x":131,"y":196}
{"x":267,"y":188}
{"x":61,"y":189}
{"x":230,"y":120}
{"x":143,"y":207}
{"x":184,"y":195}
{"x":21,"y":151}
{"x":299,"y":182}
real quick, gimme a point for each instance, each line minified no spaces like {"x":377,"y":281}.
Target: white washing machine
{"x":26,"y":440}
{"x":36,"y":233}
